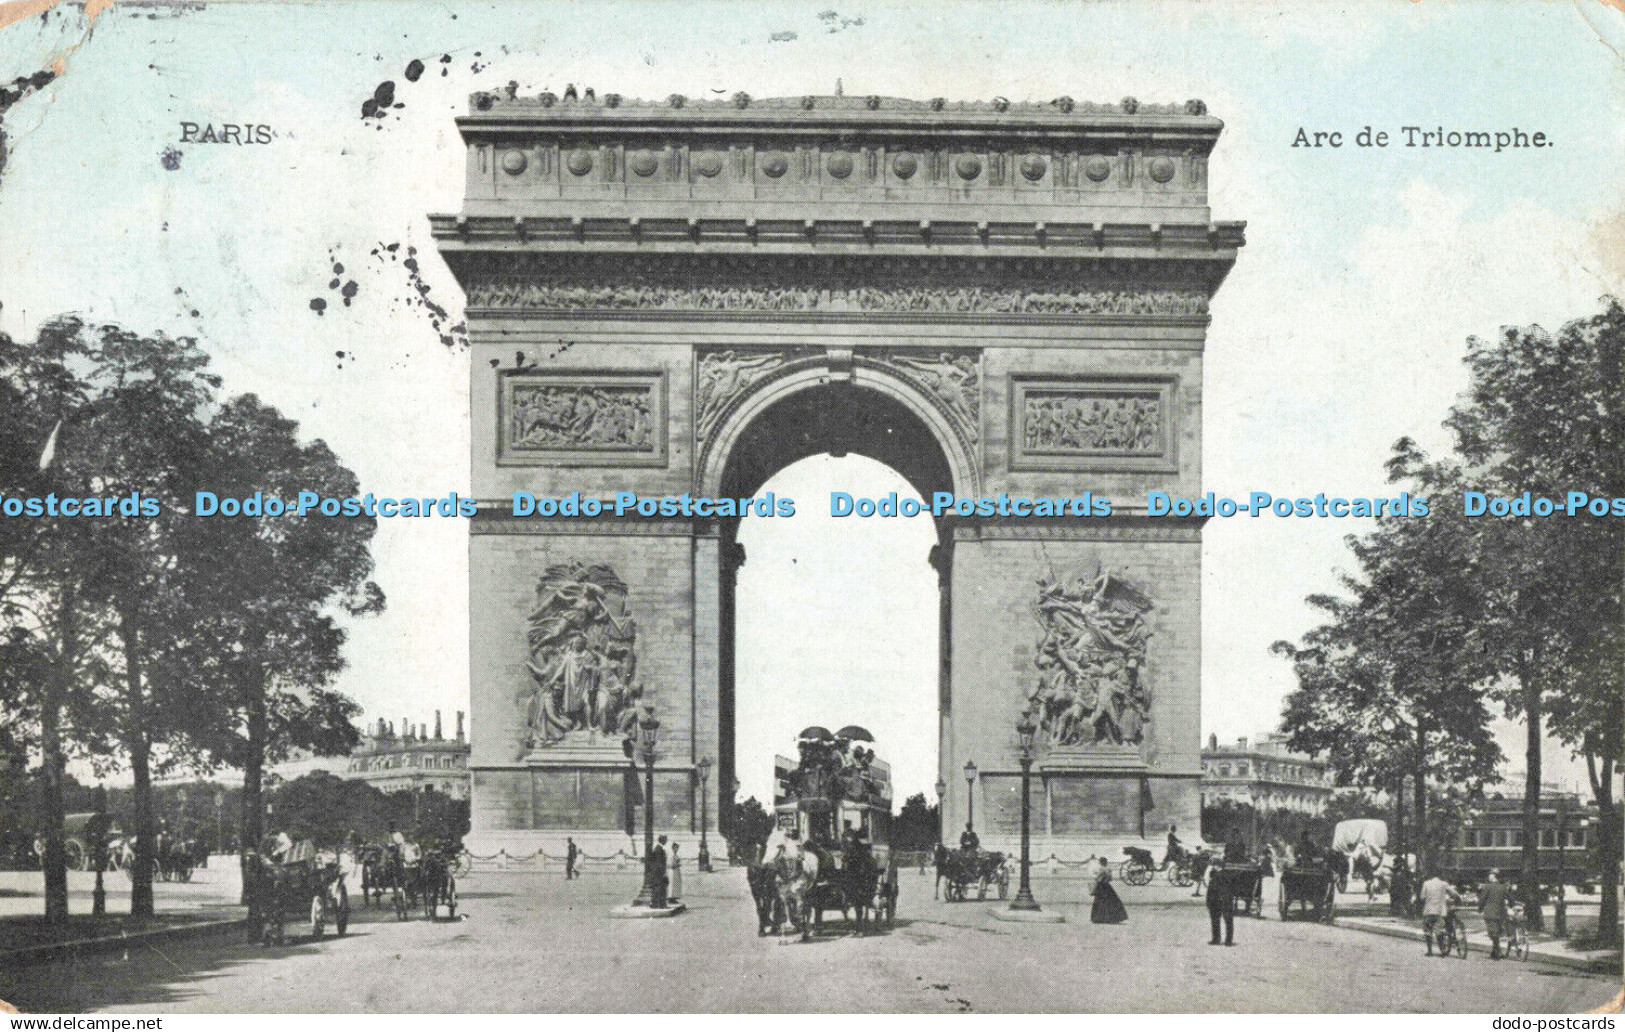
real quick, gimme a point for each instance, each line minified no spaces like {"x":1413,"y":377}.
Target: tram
{"x":1491,"y":839}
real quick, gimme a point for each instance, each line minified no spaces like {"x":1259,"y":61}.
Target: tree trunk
{"x":1423,"y":863}
{"x":1399,"y":817}
{"x":1534,"y":718}
{"x":54,"y":858}
{"x":253,"y":815}
{"x":138,"y":741}
{"x":1607,"y":849}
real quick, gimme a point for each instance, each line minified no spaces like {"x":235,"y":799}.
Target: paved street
{"x":532,"y":942}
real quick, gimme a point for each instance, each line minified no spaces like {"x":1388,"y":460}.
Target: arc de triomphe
{"x":684,"y":297}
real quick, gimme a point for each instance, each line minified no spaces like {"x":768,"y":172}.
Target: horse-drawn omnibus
{"x":832,"y":848}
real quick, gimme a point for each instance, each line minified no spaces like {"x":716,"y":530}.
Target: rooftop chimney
{"x":459,"y":725}
{"x":1213,"y":742}
{"x":437,"y":735}
{"x":1241,"y":743}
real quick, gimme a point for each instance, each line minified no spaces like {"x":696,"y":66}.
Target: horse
{"x":177,"y":860}
{"x":795,"y":877}
{"x":383,"y":870}
{"x":858,"y":878}
{"x":435,"y":883}
{"x":961,"y":867}
{"x":270,"y":889}
{"x":762,"y":877}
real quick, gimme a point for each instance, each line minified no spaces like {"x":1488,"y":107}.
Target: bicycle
{"x":1517,"y":934}
{"x":1451,"y":936}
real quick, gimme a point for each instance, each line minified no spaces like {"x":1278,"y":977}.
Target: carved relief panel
{"x":581,"y":419}
{"x":1096,"y":424}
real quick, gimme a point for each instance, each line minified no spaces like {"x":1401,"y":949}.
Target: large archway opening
{"x":836,"y":624}
{"x":829,"y":620}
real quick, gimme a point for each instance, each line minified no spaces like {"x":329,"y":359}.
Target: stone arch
{"x":955,"y":442}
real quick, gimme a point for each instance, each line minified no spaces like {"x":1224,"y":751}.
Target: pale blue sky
{"x":1340,"y":330}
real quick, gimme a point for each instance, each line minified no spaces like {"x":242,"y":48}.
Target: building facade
{"x":412,"y":760}
{"x":670,"y":301}
{"x":1265,"y":775}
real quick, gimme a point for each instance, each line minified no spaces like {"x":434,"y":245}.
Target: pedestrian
{"x":1492,"y":903}
{"x":656,"y":861}
{"x":1437,"y":896}
{"x":1108,"y":907}
{"x":1221,"y":908}
{"x":570,"y":854}
{"x":675,"y":894}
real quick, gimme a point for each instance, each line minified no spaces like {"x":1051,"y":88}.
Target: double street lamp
{"x":647,"y":733}
{"x":1027,"y":730}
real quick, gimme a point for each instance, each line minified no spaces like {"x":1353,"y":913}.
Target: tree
{"x":265,"y":596}
{"x":1545,"y":414}
{"x":50,"y":642}
{"x":1388,"y":688}
{"x":749,"y":825}
{"x":916,"y":826}
{"x":144,"y":435}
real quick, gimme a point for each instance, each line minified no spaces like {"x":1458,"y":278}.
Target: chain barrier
{"x":622,"y":856}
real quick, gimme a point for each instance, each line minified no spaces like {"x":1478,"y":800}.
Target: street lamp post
{"x":648,"y":732}
{"x":1026,"y":729}
{"x":98,"y":846}
{"x":970,"y":795}
{"x":704,"y":859}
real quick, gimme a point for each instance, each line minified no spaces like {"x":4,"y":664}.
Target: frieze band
{"x":557,"y":296}
{"x":565,"y":283}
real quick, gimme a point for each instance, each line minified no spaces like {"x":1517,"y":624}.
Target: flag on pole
{"x":46,"y":456}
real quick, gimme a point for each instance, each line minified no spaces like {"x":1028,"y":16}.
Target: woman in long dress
{"x":676,"y":876}
{"x":1108,"y":909}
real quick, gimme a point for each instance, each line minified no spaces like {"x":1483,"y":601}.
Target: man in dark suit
{"x":1221,"y":906}
{"x":1492,"y":903}
{"x":657,"y":873}
{"x":969,"y":841}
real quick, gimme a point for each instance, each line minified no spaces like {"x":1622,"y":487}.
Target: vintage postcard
{"x":874,"y":507}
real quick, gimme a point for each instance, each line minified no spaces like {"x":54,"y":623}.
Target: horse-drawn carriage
{"x":1244,"y":880}
{"x":959,"y":869}
{"x":80,"y":832}
{"x":426,"y":877}
{"x":306,"y":887}
{"x":1312,"y":884}
{"x":1141,"y":867}
{"x":1360,"y":846}
{"x":831,"y":849}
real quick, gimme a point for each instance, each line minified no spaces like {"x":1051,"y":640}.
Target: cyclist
{"x":1437,"y":897}
{"x":1492,"y":903}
